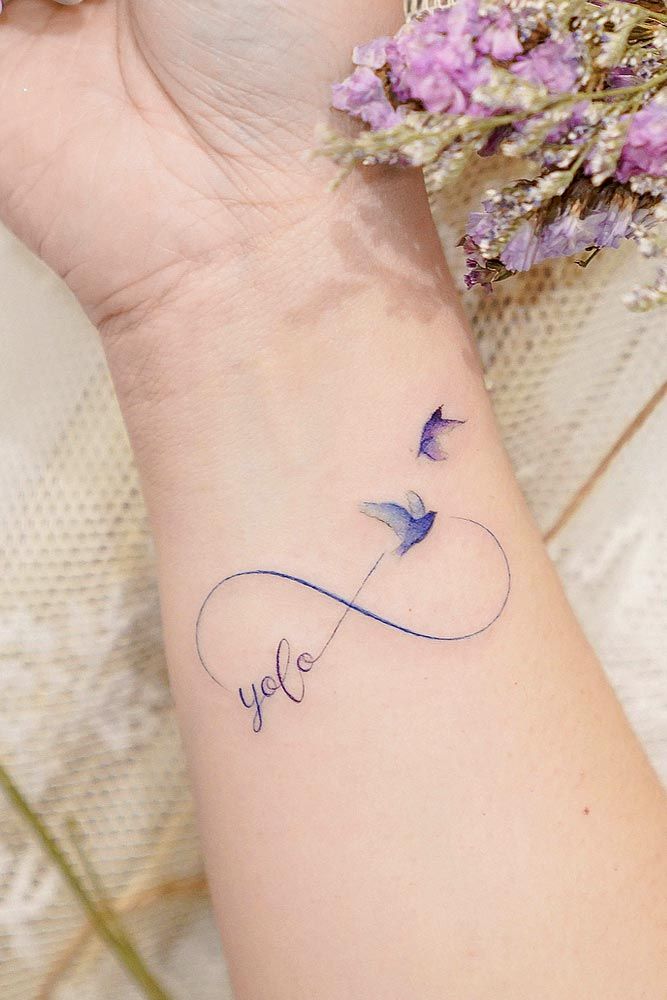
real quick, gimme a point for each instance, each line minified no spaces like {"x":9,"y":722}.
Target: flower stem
{"x":648,"y":14}
{"x":108,"y":929}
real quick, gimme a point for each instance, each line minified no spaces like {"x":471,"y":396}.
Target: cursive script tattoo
{"x":411,"y":522}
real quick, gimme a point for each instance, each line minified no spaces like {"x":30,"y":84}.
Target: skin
{"x":473,"y":820}
{"x":193,"y":119}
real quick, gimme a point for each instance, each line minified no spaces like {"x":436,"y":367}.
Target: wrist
{"x":264,"y":281}
{"x":325,"y":313}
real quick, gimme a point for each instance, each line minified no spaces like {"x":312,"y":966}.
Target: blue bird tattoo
{"x":411,"y":523}
{"x":435,"y":430}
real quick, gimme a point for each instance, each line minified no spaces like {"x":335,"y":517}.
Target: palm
{"x":139,"y":138}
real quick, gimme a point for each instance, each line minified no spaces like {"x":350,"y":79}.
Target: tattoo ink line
{"x":411,"y":523}
{"x":305,"y":661}
{"x":349,"y":607}
{"x":357,"y":608}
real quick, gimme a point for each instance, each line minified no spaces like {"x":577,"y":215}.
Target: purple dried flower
{"x":622,"y":76}
{"x":436,"y":428}
{"x":362,"y":95}
{"x":479,"y":270}
{"x":568,"y":234}
{"x":435,"y":62}
{"x":611,"y":224}
{"x":645,"y":147}
{"x":478,"y":275}
{"x":500,"y":37}
{"x":555,"y":65}
{"x":522,"y":250}
{"x":373,"y":53}
{"x":440,"y":60}
{"x":575,"y":125}
{"x":481,"y":225}
{"x":581,"y":137}
{"x":576,"y":228}
{"x":585,"y":218}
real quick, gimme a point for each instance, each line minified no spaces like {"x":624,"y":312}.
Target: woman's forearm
{"x":431,"y":792}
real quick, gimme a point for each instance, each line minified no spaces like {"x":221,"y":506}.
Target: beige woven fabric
{"x":86,"y":723}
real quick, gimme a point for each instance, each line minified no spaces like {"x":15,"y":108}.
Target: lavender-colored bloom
{"x":570,"y":233}
{"x":436,"y":428}
{"x":411,"y":525}
{"x":372,"y":54}
{"x":436,"y":90}
{"x":362,"y":95}
{"x":481,"y":225}
{"x":645,"y":147}
{"x":522,"y":250}
{"x":554,"y":64}
{"x":623,"y":76}
{"x":575,"y":127}
{"x":435,"y":62}
{"x":478,"y":275}
{"x":438,"y":61}
{"x":567,"y":235}
{"x":461,"y":20}
{"x":478,"y":270}
{"x":499,"y":37}
{"x":610,"y":224}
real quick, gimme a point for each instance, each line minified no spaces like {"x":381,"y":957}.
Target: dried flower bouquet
{"x":574,"y":88}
